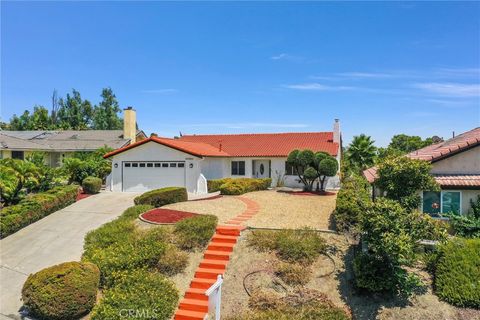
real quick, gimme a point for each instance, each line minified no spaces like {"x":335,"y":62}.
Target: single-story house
{"x":60,"y":144}
{"x":191,"y":159}
{"x":455,"y":167}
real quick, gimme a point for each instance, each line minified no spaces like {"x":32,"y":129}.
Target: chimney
{"x":130,"y":124}
{"x":336,"y":131}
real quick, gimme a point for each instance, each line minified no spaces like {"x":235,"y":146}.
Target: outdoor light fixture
{"x":116,"y":165}
{"x":190,"y":165}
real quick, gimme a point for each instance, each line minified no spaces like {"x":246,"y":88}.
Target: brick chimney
{"x":130,"y":124}
{"x":336,"y":131}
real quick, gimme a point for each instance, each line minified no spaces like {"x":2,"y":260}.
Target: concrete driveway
{"x":54,"y":239}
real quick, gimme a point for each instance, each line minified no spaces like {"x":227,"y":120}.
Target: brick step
{"x":193,"y":305}
{"x":207,"y":273}
{"x":246,"y":216}
{"x":221,"y":246}
{"x":189,"y":315}
{"x":229,"y":230}
{"x":213,"y":264}
{"x":196,"y":293}
{"x":201,"y":283}
{"x":216,"y":255}
{"x":234,"y":222}
{"x":242,"y":219}
{"x":222,"y":238}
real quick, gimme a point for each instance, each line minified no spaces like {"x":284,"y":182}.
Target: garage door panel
{"x":141,"y":176}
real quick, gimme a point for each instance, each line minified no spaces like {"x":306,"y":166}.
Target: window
{"x":181,"y":165}
{"x":442,"y":202}
{"x":142,"y":165}
{"x":127,"y":165}
{"x":135,"y":165}
{"x":173,"y":165}
{"x":17,"y":155}
{"x":149,"y":165}
{"x":164,"y":165}
{"x":157,"y":165}
{"x":290,"y":170}
{"x":238,"y":168}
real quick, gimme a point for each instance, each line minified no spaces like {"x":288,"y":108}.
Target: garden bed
{"x":82,"y":195}
{"x":165,"y":216}
{"x":311,"y":193}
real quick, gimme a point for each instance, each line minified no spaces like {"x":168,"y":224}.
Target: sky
{"x":382,"y":68}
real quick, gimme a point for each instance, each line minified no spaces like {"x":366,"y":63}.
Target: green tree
{"x":311,"y":167}
{"x":74,"y":113}
{"x":105,"y":115}
{"x":361,"y":152}
{"x":402,"y":178}
{"x":326,"y":166}
{"x":38,"y":120}
{"x":17,"y":178}
{"x":406,"y":143}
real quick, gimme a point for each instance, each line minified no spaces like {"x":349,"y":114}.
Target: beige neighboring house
{"x":455,"y":167}
{"x":60,"y":144}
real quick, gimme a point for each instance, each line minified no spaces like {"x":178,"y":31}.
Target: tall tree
{"x":361,"y":152}
{"x":75,"y":113}
{"x":106,"y":113}
{"x":406,"y":143}
{"x":38,"y":120}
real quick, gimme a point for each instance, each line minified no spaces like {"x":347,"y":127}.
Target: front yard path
{"x":54,"y":239}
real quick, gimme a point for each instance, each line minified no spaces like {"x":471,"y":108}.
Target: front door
{"x":261,"y":169}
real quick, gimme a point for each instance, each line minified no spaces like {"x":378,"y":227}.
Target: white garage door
{"x":139,"y":176}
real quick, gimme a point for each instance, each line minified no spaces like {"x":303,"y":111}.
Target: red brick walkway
{"x":194,"y":306}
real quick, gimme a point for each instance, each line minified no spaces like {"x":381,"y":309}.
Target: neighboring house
{"x":455,"y":167}
{"x":186,"y":161}
{"x":59,"y":144}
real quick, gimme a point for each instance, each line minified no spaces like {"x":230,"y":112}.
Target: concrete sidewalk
{"x":54,"y":239}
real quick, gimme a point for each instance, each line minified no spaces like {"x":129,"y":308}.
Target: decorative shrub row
{"x":62,"y":292}
{"x":35,"y":207}
{"x":138,"y":294}
{"x":302,"y":246}
{"x":163,"y":196}
{"x":352,"y":199}
{"x":457,"y":273}
{"x":237,"y":186}
{"x":195,"y":232}
{"x":91,"y":185}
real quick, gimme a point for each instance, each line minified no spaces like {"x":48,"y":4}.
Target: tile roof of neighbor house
{"x":439,"y":151}
{"x":458,"y":180}
{"x":66,"y":140}
{"x":245,"y":145}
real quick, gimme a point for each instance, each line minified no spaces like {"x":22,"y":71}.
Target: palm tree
{"x":361,"y":152}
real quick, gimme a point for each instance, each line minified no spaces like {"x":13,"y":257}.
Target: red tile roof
{"x":438,"y":151}
{"x":458,"y":180}
{"x":268,"y":144}
{"x":245,"y":145}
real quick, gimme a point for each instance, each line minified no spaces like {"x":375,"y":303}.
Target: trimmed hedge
{"x":237,"y":186}
{"x":138,"y":294}
{"x":163,"y":196}
{"x":352,"y":199}
{"x":91,"y":185}
{"x":457,"y":273}
{"x":195,"y":232}
{"x":35,"y":207}
{"x":65,"y":291}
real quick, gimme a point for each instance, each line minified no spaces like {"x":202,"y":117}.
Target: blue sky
{"x":223,"y":67}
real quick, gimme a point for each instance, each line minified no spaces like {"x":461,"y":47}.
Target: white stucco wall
{"x":464,"y":162}
{"x":152,"y":151}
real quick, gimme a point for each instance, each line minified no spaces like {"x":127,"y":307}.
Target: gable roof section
{"x":439,"y":151}
{"x":267,"y":144}
{"x":195,"y":149}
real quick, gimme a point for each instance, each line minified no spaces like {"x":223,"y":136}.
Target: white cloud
{"x":161,"y":91}
{"x":450,"y":89}
{"x":314,"y":86}
{"x":280,"y":56}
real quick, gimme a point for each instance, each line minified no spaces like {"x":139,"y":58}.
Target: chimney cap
{"x":129,"y":108}
{"x":337,"y":120}
{"x":153,"y":134}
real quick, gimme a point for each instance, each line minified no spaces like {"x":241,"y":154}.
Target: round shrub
{"x":138,"y":294}
{"x":457,"y":273}
{"x":373,"y":274}
{"x":163,"y":196}
{"x":65,"y":291}
{"x":91,"y":185}
{"x":238,"y":186}
{"x":303,"y":246}
{"x":195,"y":232}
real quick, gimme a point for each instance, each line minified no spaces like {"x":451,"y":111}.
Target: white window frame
{"x":441,"y":199}
{"x":238,"y":168}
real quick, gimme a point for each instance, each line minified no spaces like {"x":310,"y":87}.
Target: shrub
{"x":35,"y":207}
{"x":238,"y":186}
{"x":91,"y":185}
{"x":373,"y":273}
{"x":265,"y":299}
{"x":172,"y":262}
{"x":195,"y":232}
{"x":163,"y":196}
{"x":352,"y":199}
{"x":302,"y":246}
{"x":293,"y":273}
{"x":457,"y":274}
{"x":140,"y":251}
{"x":132,"y":213}
{"x":138,"y":294}
{"x":65,"y":291}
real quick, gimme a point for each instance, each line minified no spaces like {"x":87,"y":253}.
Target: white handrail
{"x":214,"y":294}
